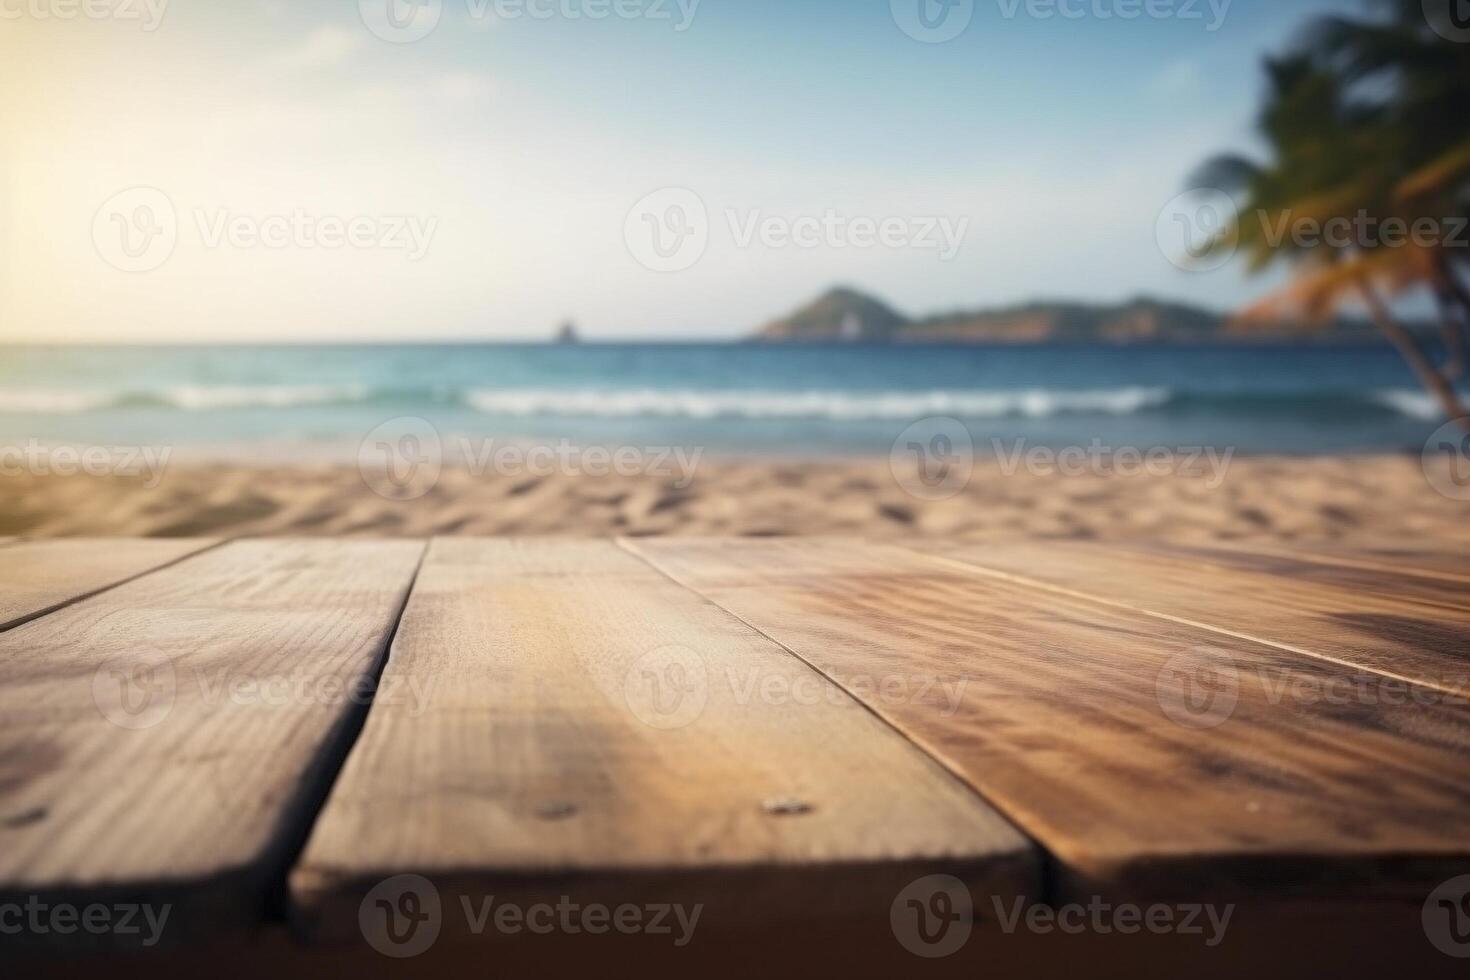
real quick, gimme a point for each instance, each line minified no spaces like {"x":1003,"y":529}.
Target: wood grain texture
{"x":39,"y":576}
{"x":162,"y":741}
{"x":590,"y":726}
{"x":1450,"y":561}
{"x":1415,"y":628}
{"x":1077,"y":722}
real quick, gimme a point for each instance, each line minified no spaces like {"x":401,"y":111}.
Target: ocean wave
{"x":1414,"y":404}
{"x":187,"y":398}
{"x":834,"y":405}
{"x":53,"y":401}
{"x":830,"y":405}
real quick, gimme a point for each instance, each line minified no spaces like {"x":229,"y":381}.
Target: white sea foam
{"x":52,"y":401}
{"x":835,"y":405}
{"x":188,"y":398}
{"x":199,"y":398}
{"x":1414,"y":404}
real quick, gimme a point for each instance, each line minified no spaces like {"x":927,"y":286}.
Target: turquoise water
{"x":322,"y":400}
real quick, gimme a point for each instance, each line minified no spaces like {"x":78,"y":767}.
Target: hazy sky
{"x":303,"y":178}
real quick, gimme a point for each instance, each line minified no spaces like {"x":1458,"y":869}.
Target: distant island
{"x":847,"y":315}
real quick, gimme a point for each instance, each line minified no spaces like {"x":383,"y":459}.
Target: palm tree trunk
{"x":1437,"y":384}
{"x":1456,"y":288}
{"x":1451,"y":331}
{"x":1451,"y":295}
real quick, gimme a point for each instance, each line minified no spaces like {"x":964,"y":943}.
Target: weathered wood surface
{"x":167,"y":740}
{"x":623,"y":723}
{"x":39,"y":576}
{"x":1449,"y":560}
{"x":1077,"y":720}
{"x":579,"y":723}
{"x":1415,"y":628}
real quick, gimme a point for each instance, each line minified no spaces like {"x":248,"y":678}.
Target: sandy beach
{"x":1384,"y":498}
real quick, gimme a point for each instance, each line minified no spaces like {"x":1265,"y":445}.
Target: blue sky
{"x":521,"y":146}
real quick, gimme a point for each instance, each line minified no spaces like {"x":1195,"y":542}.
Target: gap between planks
{"x":1041,"y":721}
{"x":536,"y":768}
{"x":116,"y":570}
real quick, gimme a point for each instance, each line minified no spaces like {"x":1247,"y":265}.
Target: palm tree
{"x":1337,"y":157}
{"x":1428,"y":81}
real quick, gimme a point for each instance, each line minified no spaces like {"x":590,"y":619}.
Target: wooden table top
{"x":923,"y":757}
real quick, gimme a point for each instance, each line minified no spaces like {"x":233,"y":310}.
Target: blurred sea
{"x":320,"y":401}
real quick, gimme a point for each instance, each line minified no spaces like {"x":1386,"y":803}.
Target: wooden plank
{"x":1298,"y":565}
{"x":1075,"y":722}
{"x":1450,"y":562}
{"x":166,"y":740}
{"x":593,"y":729}
{"x":39,"y":576}
{"x":1414,"y":628}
